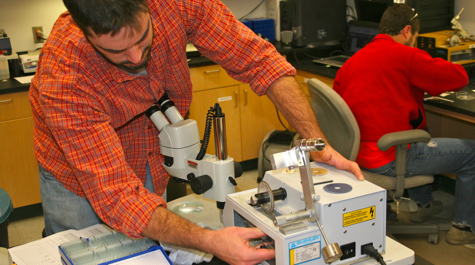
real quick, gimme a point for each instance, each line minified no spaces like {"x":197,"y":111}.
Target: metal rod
{"x":321,"y":231}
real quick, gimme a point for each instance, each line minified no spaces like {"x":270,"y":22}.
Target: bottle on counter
{"x":4,"y":71}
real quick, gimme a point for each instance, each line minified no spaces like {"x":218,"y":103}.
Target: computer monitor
{"x":360,"y":33}
{"x":371,"y":10}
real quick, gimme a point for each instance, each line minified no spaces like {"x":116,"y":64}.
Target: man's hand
{"x":333,"y":158}
{"x":231,"y":244}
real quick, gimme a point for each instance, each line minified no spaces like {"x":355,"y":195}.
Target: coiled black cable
{"x":373,"y":253}
{"x":207,"y":133}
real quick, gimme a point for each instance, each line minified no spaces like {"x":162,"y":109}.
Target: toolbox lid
{"x":6,"y":206}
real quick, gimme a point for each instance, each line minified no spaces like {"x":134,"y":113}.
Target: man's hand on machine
{"x":231,"y":244}
{"x":333,"y":158}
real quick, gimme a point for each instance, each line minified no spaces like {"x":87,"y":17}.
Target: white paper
{"x":155,"y":257}
{"x":24,"y":79}
{"x":45,"y":251}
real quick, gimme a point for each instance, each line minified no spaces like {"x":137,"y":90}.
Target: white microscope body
{"x":212,"y":176}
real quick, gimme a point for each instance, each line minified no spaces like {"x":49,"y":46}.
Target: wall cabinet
{"x":18,"y":166}
{"x":248,"y":117}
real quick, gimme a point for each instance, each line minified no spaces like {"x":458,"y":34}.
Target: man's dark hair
{"x":396,"y":18}
{"x":106,"y":16}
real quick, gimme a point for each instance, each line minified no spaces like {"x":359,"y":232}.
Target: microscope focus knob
{"x":237,"y":169}
{"x":201,"y":184}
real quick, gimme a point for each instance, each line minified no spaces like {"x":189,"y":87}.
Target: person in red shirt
{"x":384,"y":85}
{"x":103,"y":65}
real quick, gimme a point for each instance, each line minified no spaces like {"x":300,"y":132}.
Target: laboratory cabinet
{"x":248,"y":117}
{"x":18,"y":166}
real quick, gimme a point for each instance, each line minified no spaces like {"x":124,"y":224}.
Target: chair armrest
{"x":404,"y":137}
{"x":401,"y":140}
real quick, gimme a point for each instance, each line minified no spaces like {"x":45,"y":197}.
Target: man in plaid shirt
{"x":104,"y":64}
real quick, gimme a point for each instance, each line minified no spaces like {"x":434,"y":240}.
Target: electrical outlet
{"x":37,"y":37}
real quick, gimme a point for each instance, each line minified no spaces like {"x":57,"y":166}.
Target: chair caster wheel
{"x":433,"y":239}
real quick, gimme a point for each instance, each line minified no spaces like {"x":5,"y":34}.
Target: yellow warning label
{"x":359,"y":216}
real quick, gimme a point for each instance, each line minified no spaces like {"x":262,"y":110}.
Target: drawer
{"x":14,"y":106}
{"x":209,"y":77}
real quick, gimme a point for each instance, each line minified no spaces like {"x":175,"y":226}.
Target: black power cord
{"x":373,"y":253}
{"x":207,"y":133}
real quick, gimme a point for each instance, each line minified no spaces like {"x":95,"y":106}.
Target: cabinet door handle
{"x":245,"y":97}
{"x":236,"y":98}
{"x":212,"y":71}
{"x":6,"y":101}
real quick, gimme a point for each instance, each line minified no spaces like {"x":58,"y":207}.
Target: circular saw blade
{"x":265,"y":188}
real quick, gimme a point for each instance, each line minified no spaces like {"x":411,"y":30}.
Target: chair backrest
{"x":335,"y":118}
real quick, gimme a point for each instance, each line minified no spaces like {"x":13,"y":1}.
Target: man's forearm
{"x":169,"y":227}
{"x":289,"y":98}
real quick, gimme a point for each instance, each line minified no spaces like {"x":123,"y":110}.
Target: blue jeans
{"x":65,"y":210}
{"x":442,"y":155}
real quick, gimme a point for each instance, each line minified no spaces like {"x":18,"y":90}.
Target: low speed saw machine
{"x":312,"y":213}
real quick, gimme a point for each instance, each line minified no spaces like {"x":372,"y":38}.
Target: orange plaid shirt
{"x":90,"y":129}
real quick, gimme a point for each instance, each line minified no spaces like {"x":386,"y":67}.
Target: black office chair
{"x":341,"y":129}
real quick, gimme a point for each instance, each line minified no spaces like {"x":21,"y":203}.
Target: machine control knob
{"x":201,"y":184}
{"x":233,"y":181}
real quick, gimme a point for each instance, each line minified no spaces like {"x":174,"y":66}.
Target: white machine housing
{"x":29,"y":63}
{"x":350,"y":218}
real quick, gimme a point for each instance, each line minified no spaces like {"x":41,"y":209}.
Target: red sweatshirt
{"x":384,"y":85}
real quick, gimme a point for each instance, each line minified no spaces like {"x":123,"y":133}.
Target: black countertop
{"x":301,"y":59}
{"x":466,"y":107}
{"x":12,"y":86}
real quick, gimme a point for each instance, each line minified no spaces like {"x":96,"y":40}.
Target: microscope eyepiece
{"x":163,"y":98}
{"x":152,"y":110}
{"x":165,"y":102}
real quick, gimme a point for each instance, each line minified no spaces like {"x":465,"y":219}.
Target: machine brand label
{"x":359,"y":216}
{"x":192,"y":164}
{"x":304,"y":250}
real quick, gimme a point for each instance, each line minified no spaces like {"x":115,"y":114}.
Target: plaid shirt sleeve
{"x":216,"y":33}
